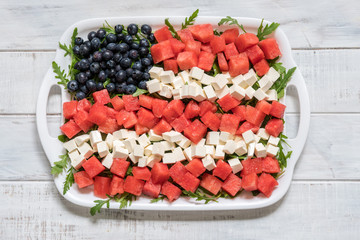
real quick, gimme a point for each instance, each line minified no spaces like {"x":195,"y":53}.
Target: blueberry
{"x":119,"y":28}
{"x":143,"y":51}
{"x":130,"y":89}
{"x":151,"y":38}
{"x":90,"y":59}
{"x":110,"y":72}
{"x":88,"y":44}
{"x":101,"y":33}
{"x":91,"y":35}
{"x":78,"y":41}
{"x":81,"y":77}
{"x":137,"y":75}
{"x":144,"y":43}
{"x":146,"y":62}
{"x":117,"y":57}
{"x":120,"y":37}
{"x":137,"y":66}
{"x":120,"y":76}
{"x":80,"y":95}
{"x":102,"y":76}
{"x":84,"y":89}
{"x":113,"y":80}
{"x":76,"y":66}
{"x":146,"y":29}
{"x":130,"y":80}
{"x":95,"y":67}
{"x":146,"y":76}
{"x":107,"y":55}
{"x":73,"y":85}
{"x":110,"y":64}
{"x":88,"y":74}
{"x":84,"y":64}
{"x":111,"y":47}
{"x":99,"y":86}
{"x":84,"y":50}
{"x":135,"y":46}
{"x":132,"y":29}
{"x":123,"y":47}
{"x":111,"y":38}
{"x":76,"y":50}
{"x":147,"y":69}
{"x":125,"y":55}
{"x":110,"y":87}
{"x":129,"y":72}
{"x":142,"y":85}
{"x":103,"y":65}
{"x":149,"y":56}
{"x":104,"y":43}
{"x":97,"y":56}
{"x":118,"y":68}
{"x":133,"y":54}
{"x":125,"y":63}
{"x":95,"y":43}
{"x":120,"y":87}
{"x":128,"y":39}
{"x":91,"y":85}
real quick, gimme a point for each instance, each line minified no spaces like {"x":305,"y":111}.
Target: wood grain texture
{"x":309,"y":24}
{"x":34,"y":210}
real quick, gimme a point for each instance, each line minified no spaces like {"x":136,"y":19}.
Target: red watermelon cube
{"x":142,"y":173}
{"x":228,"y":102}
{"x":151,"y":189}
{"x":261,"y":67}
{"x":211,"y":183}
{"x":177,"y":172}
{"x":229,"y":123}
{"x":93,"y":166}
{"x":251,"y":165}
{"x":130,"y":120}
{"x":177,"y":46}
{"x":180,"y":123}
{"x":270,"y":165}
{"x":192,"y":110}
{"x":162,"y":51}
{"x":173,"y":110}
{"x":211,"y":120}
{"x":230,"y":35}
{"x":249,"y":182}
{"x":117,"y":103}
{"x":69,"y":109}
{"x":230,"y":51}
{"x":140,"y":129}
{"x":263,"y":106}
{"x":254,"y":116}
{"x":238,"y":64}
{"x":277,"y":109}
{"x":109,"y":126}
{"x":232,"y":184}
{"x":171,"y":64}
{"x":245,"y":127}
{"x":255,"y":54}
{"x":189,"y":182}
{"x":266,"y":184}
{"x":222,"y":170}
{"x":224,"y":67}
{"x":146,"y":118}
{"x":170,"y":191}
{"x":240,"y":111}
{"x":187,"y":60}
{"x":160,"y":173}
{"x":185,"y":35}
{"x":131,"y":103}
{"x":133,"y":185}
{"x":163,"y":34}
{"x":217,"y":44}
{"x":161,"y":127}
{"x":83,"y":104}
{"x":145,"y":101}
{"x":70,"y":129}
{"x":119,"y":167}
{"x":98,"y":114}
{"x":101,"y":97}
{"x":196,"y":167}
{"x":203,"y":32}
{"x":195,"y":131}
{"x":81,"y":119}
{"x":205,"y":106}
{"x":206,"y":61}
{"x":206,"y":47}
{"x":270,"y":48}
{"x":274,"y":127}
{"x":101,"y":186}
{"x":116,"y":186}
{"x":193,"y":46}
{"x":122,"y":116}
{"x":246,"y":40}
{"x":82,"y":179}
{"x":158,"y":106}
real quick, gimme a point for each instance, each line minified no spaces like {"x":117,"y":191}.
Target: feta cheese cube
{"x":248,"y":136}
{"x":219,"y":152}
{"x":250,"y":77}
{"x":74,"y":154}
{"x":78,"y":161}
{"x":271,"y":150}
{"x":178,"y":154}
{"x":172,"y":136}
{"x":260,"y":94}
{"x":143,"y":140}
{"x":95,"y":137}
{"x":81,"y":139}
{"x":184,"y":92}
{"x":132,"y":134}
{"x":219,"y":82}
{"x":177,"y":82}
{"x":210,"y":93}
{"x":208,"y":162}
{"x":212,"y":138}
{"x":103,"y":149}
{"x":249,"y":93}
{"x":108,"y":161}
{"x":155,"y":72}
{"x":235,"y":164}
{"x":158,"y":149}
{"x":265,"y":83}
{"x":121,"y":134}
{"x":230,"y":147}
{"x":109,"y":140}
{"x":185,"y":76}
{"x":240,"y":148}
{"x":222,"y":92}
{"x":207,"y":79}
{"x":263,"y":134}
{"x":240,"y":81}
{"x":184,"y":143}
{"x":187,"y":153}
{"x":251,"y":150}
{"x":129,"y":144}
{"x":142,"y":162}
{"x":225,"y":136}
{"x":210,"y":150}
{"x":168,"y":158}
{"x":152,"y":159}
{"x":118,"y":143}
{"x":148,"y":150}
{"x":237,"y":92}
{"x":200,"y":95}
{"x":198,"y":151}
{"x":196,"y":73}
{"x":273,"y":140}
{"x":85,"y":150}
{"x":154,"y":137}
{"x":192,"y":90}
{"x":257,"y":138}
{"x":167,"y":76}
{"x":228,"y":77}
{"x":138,"y":151}
{"x":238,"y":139}
{"x":200,"y":143}
{"x":176,"y":96}
{"x":70,"y":145}
{"x":133,"y":158}
{"x":260,"y":150}
{"x":168,"y":146}
{"x":272,"y":74}
{"x":119,"y":152}
{"x":166,"y":91}
{"x":153,"y":86}
{"x":271,"y":95}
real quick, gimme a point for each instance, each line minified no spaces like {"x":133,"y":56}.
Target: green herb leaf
{"x":155,"y":200}
{"x":60,"y":74}
{"x":171,"y":28}
{"x":200,"y":196}
{"x":191,"y":20}
{"x":108,"y":28}
{"x":262,"y":32}
{"x":63,"y":138}
{"x":282,"y":81}
{"x":139,"y":91}
{"x":99,"y":203}
{"x":107,"y":82}
{"x":231,"y":21}
{"x":282,"y":156}
{"x":129,"y":171}
{"x":69,"y":180}
{"x":59,"y":166}
{"x":125,"y":200}
{"x":217,"y":33}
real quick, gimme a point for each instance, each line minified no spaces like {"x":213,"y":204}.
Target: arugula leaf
{"x":60,"y":74}
{"x":217,"y":33}
{"x":231,"y":21}
{"x":191,"y":20}
{"x":99,"y":203}
{"x":171,"y":28}
{"x":125,"y":200}
{"x":200,"y":196}
{"x":139,"y":91}
{"x":155,"y":200}
{"x":108,"y":28}
{"x":129,"y":171}
{"x":106,"y":82}
{"x":267,"y":30}
{"x":282,"y":156}
{"x":69,"y":180}
{"x":59,"y":166}
{"x":63,"y":138}
{"x":282,"y":81}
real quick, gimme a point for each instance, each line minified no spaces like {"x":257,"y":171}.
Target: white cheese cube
{"x":153,"y":86}
{"x":210,"y":150}
{"x":192,"y":90}
{"x":200,"y":95}
{"x":129,"y":144}
{"x":81,"y":139}
{"x":273,"y":140}
{"x":196,"y":73}
{"x":178,"y":154}
{"x":219,"y":82}
{"x":138,"y":151}
{"x":142,"y":162}
{"x":263,"y":134}
{"x":172,"y":136}
{"x":154,"y":137}
{"x":95,"y":137}
{"x":219,"y":152}
{"x":230,"y":147}
{"x":225,"y":136}
{"x":177,"y":82}
{"x":108,"y":161}
{"x":158,"y":149}
{"x":248,"y":136}
{"x":167,"y":76}
{"x":152,"y":159}
{"x":228,"y":77}
{"x":185,"y":76}
{"x":200,"y":143}
{"x":73,"y":155}
{"x":257,"y":138}
{"x":198,"y":151}
{"x":208,"y":162}
{"x":143,"y":140}
{"x":222,"y":92}
{"x":212,"y":138}
{"x":271,"y":150}
{"x":133,"y":158}
{"x":260,"y":94}
{"x":241,"y":148}
{"x":168,"y":158}
{"x":118,"y":143}
{"x":70,"y":145}
{"x":210,"y":93}
{"x":132,"y":134}
{"x":265,"y":83}
{"x":240,"y":81}
{"x":237,"y":92}
{"x":78,"y":161}
{"x":272,"y":95}
{"x":85,"y":150}
{"x":121,"y":134}
{"x":109,"y":140}
{"x":148,"y":150}
{"x":184,"y":143}
{"x":168,"y":146}
{"x":184,"y":92}
{"x":235,"y":164}
{"x":103,"y":149}
{"x":166,"y":91}
{"x":251,"y":149}
{"x":155,"y":72}
{"x":238,"y":139}
{"x":207,"y":79}
{"x":187,"y":153}
{"x":250,"y":77}
{"x":260,"y":150}
{"x":272,"y":74}
{"x":119,"y":152}
{"x":176,"y":96}
{"x":249,"y":93}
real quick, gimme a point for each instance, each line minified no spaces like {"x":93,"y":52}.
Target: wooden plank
{"x":328,"y":154}
{"x":315,"y":26}
{"x":332,"y":83}
{"x":323,"y":210}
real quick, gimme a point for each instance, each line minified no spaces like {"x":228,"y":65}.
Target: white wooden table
{"x":324,"y":199}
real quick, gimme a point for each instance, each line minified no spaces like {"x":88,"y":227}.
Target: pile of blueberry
{"x":120,"y":58}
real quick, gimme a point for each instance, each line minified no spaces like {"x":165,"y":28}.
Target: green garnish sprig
{"x":231,"y":21}
{"x":124,"y":199}
{"x":60,"y":166}
{"x":267,"y":30}
{"x":191,"y":20}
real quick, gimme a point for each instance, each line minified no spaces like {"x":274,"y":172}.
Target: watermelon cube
{"x":249,"y":182}
{"x":130,"y":121}
{"x":238,"y":64}
{"x":251,"y":165}
{"x":205,"y":106}
{"x":131,"y":103}
{"x":206,"y":61}
{"x":211,"y":183}
{"x":277,"y":109}
{"x":195,"y":131}
{"x":192,"y":110}
{"x":163,"y":34}
{"x":230,"y":35}
{"x":173,"y":110}
{"x":255,"y":54}
{"x":222,"y":169}
{"x":228,"y":102}
{"x":261,"y":67}
{"x":217,"y":44}
{"x":206,"y":47}
{"x":189,"y":182}
{"x":177,"y":172}
{"x":229,"y":123}
{"x":162,"y":51}
{"x":270,"y":48}
{"x":245,"y":127}
{"x":145,"y":101}
{"x":70,"y":129}
{"x":180,"y":123}
{"x":116,"y":186}
{"x":196,"y":167}
{"x":203,"y":32}
{"x":185,"y":35}
{"x":274,"y":127}
{"x":177,"y":46}
{"x":81,"y":119}
{"x":170,"y":191}
{"x":133,"y":185}
{"x":93,"y":166}
{"x":83,"y":104}
{"x":187,"y":60}
{"x":223,"y":64}
{"x":193,"y":46}
{"x":122,"y":116}
{"x":82,"y":179}
{"x":240,"y":111}
{"x":98,"y":114}
{"x":111,"y":113}
{"x":102,"y":186}
{"x":101,"y":97}
{"x":246,"y":40}
{"x":266,"y":184}
{"x":254,"y":116}
{"x":158,"y":106}
{"x":171,"y":64}
{"x":211,"y":121}
{"x":146,"y":118}
{"x":160,"y":173}
{"x":270,"y":165}
{"x":69,"y":109}
{"x":230,"y":51}
{"x":119,"y":167}
{"x":140,"y":129}
{"x":232,"y":184}
{"x":142,"y":173}
{"x":117,"y":103}
{"x":161,"y":127}
{"x":109,"y":126}
{"x":151,"y":189}
{"x":263,"y":106}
